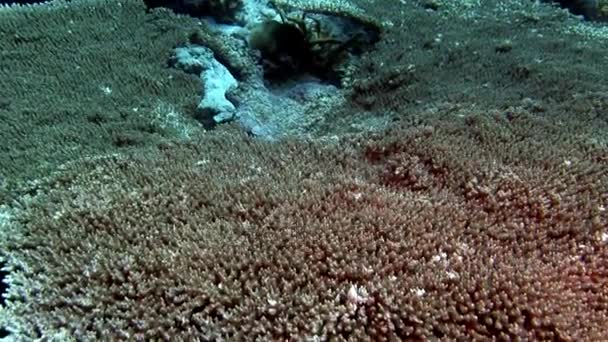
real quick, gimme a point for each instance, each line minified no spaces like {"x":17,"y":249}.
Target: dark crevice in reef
{"x":589,"y":9}
{"x":297,"y":47}
{"x":295,"y":56}
{"x":300,"y":44}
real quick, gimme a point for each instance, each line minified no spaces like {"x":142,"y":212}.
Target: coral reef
{"x":452,"y":186}
{"x":463,"y":230}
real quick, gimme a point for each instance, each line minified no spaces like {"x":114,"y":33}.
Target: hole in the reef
{"x":297,"y":44}
{"x":205,"y":118}
{"x":310,"y":44}
{"x":589,"y":9}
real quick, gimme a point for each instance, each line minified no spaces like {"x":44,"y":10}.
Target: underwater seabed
{"x":476,"y":211}
{"x":302,"y":56}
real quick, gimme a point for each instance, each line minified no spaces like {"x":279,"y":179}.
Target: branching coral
{"x":398,"y":236}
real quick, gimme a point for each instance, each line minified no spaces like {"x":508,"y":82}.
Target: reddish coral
{"x":470,"y":230}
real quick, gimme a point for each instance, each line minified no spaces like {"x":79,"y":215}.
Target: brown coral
{"x":425,"y":232}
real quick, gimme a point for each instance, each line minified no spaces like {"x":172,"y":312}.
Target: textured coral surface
{"x":457,"y":191}
{"x":425,"y":233}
